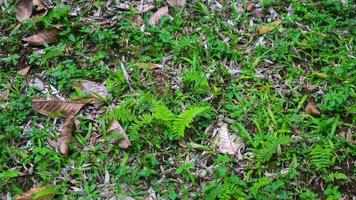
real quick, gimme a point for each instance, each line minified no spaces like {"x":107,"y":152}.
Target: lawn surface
{"x":219,"y":100}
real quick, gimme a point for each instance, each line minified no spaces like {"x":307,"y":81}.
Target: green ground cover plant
{"x":215,"y":99}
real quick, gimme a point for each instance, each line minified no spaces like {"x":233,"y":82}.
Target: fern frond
{"x":322,"y":157}
{"x":121,"y":114}
{"x":270,"y":147}
{"x":162,"y":112}
{"x":186,"y":118}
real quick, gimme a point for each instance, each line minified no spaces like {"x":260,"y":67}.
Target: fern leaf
{"x":185,"y":119}
{"x":161,"y":112}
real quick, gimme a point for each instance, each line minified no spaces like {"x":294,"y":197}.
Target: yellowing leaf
{"x":38,"y":193}
{"x":24,"y":10}
{"x":115,"y":127}
{"x":176,"y":2}
{"x":57,"y":107}
{"x":156,"y":17}
{"x":148,"y":65}
{"x":227,"y":142}
{"x":43,"y":37}
{"x":92,"y":90}
{"x":311,"y":108}
{"x":66,"y":136}
{"x":269,"y":27}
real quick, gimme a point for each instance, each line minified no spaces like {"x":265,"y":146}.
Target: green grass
{"x":165,"y":112}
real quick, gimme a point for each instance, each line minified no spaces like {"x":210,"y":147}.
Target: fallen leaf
{"x":115,"y":127}
{"x":57,"y":107}
{"x":151,"y":194}
{"x":38,"y":5}
{"x":349,"y":136}
{"x":269,"y":27}
{"x":176,"y":2}
{"x":5,"y":95}
{"x":92,"y":90}
{"x":227,"y":142}
{"x":138,"y":21}
{"x":43,"y":37}
{"x":38,"y":193}
{"x":23,"y":71}
{"x":24,"y":10}
{"x":148,"y":65}
{"x":311,"y":108}
{"x":66,"y":136}
{"x":145,"y":8}
{"x":154,"y":20}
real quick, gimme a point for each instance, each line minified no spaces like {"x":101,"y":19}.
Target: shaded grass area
{"x":212,"y":56}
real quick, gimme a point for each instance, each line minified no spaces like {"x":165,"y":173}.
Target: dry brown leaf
{"x":269,"y":27}
{"x":66,"y":136}
{"x":311,"y":108}
{"x":92,"y":90}
{"x":57,"y":107}
{"x":138,"y":21}
{"x":176,"y":2}
{"x":115,"y":127}
{"x":37,"y":193}
{"x":38,"y":5}
{"x":23,"y":71}
{"x":24,"y":10}
{"x":145,"y":8}
{"x":156,"y":17}
{"x":349,"y":136}
{"x":5,"y":95}
{"x":227,"y":142}
{"x":148,"y":65}
{"x":43,"y":37}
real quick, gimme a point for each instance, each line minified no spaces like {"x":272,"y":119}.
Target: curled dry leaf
{"x":269,"y":27}
{"x":66,"y":136}
{"x":156,"y":17}
{"x":227,"y":142}
{"x":43,"y":37}
{"x":23,"y":71}
{"x":24,"y":10}
{"x":115,"y":127}
{"x":57,"y":107}
{"x":176,"y":2}
{"x":92,"y":90}
{"x":311,"y":108}
{"x":38,"y":193}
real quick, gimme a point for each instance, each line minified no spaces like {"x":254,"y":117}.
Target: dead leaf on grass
{"x":138,"y":21}
{"x":269,"y":27}
{"x":145,"y":8}
{"x":66,"y":136}
{"x":349,"y":136}
{"x":92,"y":90}
{"x":311,"y":108}
{"x":156,"y":17}
{"x":148,"y":65}
{"x":38,"y":193}
{"x":24,"y":71}
{"x":57,"y":107}
{"x":176,"y":2}
{"x":115,"y":127}
{"x":43,"y":37}
{"x":227,"y":142}
{"x":5,"y":95}
{"x":24,"y":10}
